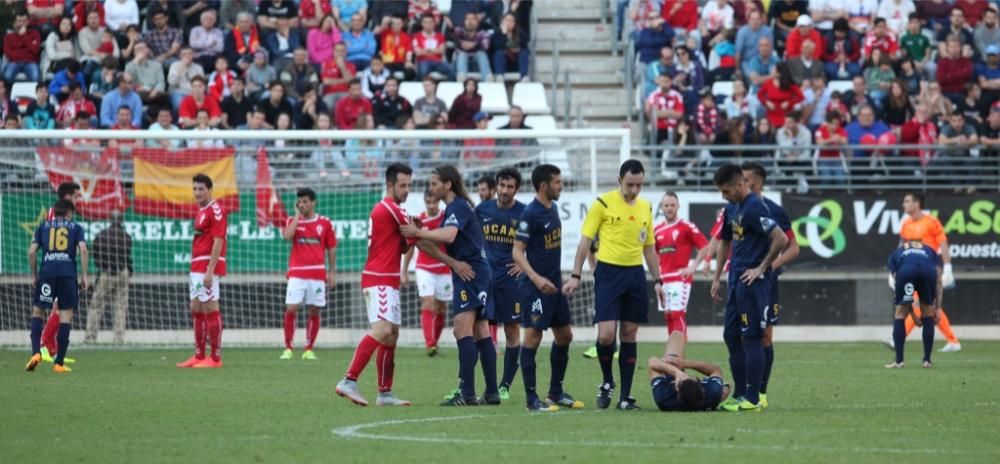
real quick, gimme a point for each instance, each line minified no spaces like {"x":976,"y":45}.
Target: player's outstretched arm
{"x":445,"y":234}
{"x":582,"y":249}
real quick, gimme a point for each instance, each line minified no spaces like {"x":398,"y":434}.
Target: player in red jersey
{"x":208,"y":262}
{"x":314,"y":244}
{"x":675,"y":237}
{"x":66,"y":191}
{"x":433,"y":280}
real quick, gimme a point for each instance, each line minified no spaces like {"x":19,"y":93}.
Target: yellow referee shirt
{"x":624,"y":229}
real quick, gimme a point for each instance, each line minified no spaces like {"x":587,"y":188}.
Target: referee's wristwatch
{"x":575,"y":276}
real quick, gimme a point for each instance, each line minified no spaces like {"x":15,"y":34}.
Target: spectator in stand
{"x":127,"y":44}
{"x":180,"y":76}
{"x":429,"y":48}
{"x":418,"y":9}
{"x":736,"y":105}
{"x":230,"y":10}
{"x":173,"y":9}
{"x":936,"y":13}
{"x":124,"y":96}
{"x":664,"y":107}
{"x":75,"y":103}
{"x":237,"y":107}
{"x":352,"y":106}
{"x":796,"y":37}
{"x":123,"y":122}
{"x":973,"y":10}
{"x":429,"y":106}
{"x":878,"y":77}
{"x":805,"y":66}
{"x":953,"y":70}
{"x":344,"y":10}
{"x":783,"y":15}
{"x":689,"y":78}
{"x":517,"y":148}
{"x":717,"y":16}
{"x":471,"y":43}
{"x":337,"y":75}
{"x":779,"y":95}
{"x":722,"y":59}
{"x":763,"y":66}
{"x":988,"y":74}
{"x":991,"y":134}
{"x":104,"y":81}
{"x":896,"y":109}
{"x":40,"y":113}
{"x":972,"y":106}
{"x":282,"y":43}
{"x":82,"y":9}
{"x":958,"y":138}
{"x":242,"y":42}
{"x":919,"y":130}
{"x":397,"y":50}
{"x":198,"y":100}
{"x":308,"y":110}
{"x":832,"y":135}
{"x":164,"y":41}
{"x":191,"y":11}
{"x":268,"y":12}
{"x":937,"y":104}
{"x":896,"y":14}
{"x":325,"y":151}
{"x":882,"y":39}
{"x":482,"y":9}
{"x":857,"y":97}
{"x":817,"y":100}
{"x":957,"y":28}
{"x":274,"y":104}
{"x":665,"y":64}
{"x":762,"y":134}
{"x":374,"y":78}
{"x":865,"y":130}
{"x":321,"y":41}
{"x":299,"y":73}
{"x":364,"y":153}
{"x":682,"y":16}
{"x":479,"y":152}
{"x":382,"y":13}
{"x":842,"y":52}
{"x":60,"y":47}
{"x":8,"y":108}
{"x":793,"y":142}
{"x":164,"y":122}
{"x":707,"y":120}
{"x":748,"y":37}
{"x":148,"y":77}
{"x":389,"y":107}
{"x":650,"y":39}
{"x":510,"y":45}
{"x":44,"y":15}
{"x":20,"y":49}
{"x":987,"y":33}
{"x":82,"y":123}
{"x":825,"y":12}
{"x":203,"y":124}
{"x":360,"y":43}
{"x":59,"y":86}
{"x":311,"y":13}
{"x":917,"y":46}
{"x":259,"y":75}
{"x":861,"y":14}
{"x":465,"y":107}
{"x":95,"y":41}
{"x":119,"y":14}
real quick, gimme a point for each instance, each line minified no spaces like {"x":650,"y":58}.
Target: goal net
{"x":144,"y":180}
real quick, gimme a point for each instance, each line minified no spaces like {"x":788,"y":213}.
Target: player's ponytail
{"x":448,"y":173}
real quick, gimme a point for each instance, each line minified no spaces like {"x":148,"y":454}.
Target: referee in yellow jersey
{"x":625,"y":224}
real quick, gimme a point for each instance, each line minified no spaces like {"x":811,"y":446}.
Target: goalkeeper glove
{"x":947,"y":277}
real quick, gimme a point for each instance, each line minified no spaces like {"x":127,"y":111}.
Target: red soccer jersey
{"x":210,"y":223}
{"x":425,"y":262}
{"x":671,"y":100}
{"x":674,"y":243}
{"x":385,"y":244}
{"x":426,"y":42}
{"x":330,"y":70}
{"x":309,"y":244}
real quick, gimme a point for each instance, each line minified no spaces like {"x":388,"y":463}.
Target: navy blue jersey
{"x":747,"y":225}
{"x":468,"y":244}
{"x":541,"y":230}
{"x":665,"y":394}
{"x":913,"y":254}
{"x":499,"y":229}
{"x":58,"y":240}
{"x":778,"y":213}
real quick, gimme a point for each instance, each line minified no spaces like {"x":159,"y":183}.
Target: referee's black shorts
{"x":620,"y":293}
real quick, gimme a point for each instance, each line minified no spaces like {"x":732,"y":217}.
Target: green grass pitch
{"x":829,"y":403}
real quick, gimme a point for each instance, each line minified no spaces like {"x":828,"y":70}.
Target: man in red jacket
{"x":349,"y":108}
{"x":21,"y":46}
{"x":954,"y":70}
{"x":803,"y":31}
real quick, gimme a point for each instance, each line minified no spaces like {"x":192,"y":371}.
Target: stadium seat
{"x":842,"y":86}
{"x":23,"y":93}
{"x":553,"y":151}
{"x":530,"y":96}
{"x":447,"y":91}
{"x":540,"y":122}
{"x":444,"y":6}
{"x":494,"y":97}
{"x":722,"y":89}
{"x":498,"y":121}
{"x":411,"y":91}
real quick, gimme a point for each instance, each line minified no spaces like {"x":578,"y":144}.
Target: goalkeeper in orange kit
{"x":926,"y":228}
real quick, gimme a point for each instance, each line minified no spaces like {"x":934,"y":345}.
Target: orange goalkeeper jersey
{"x":927,"y":229}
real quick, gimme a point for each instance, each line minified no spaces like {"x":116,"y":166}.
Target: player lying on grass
{"x":674,"y":390}
{"x":915,"y":268}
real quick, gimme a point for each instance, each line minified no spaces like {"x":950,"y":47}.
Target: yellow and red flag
{"x":98,"y":173}
{"x":162,"y":185}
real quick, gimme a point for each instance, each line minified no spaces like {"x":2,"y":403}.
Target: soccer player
{"x":380,"y":286}
{"x":674,"y":390}
{"x":433,"y":280}
{"x":756,"y":241}
{"x":72,"y":192}
{"x":625,"y":224}
{"x":755,"y":176}
{"x":471,"y":307}
{"x":60,"y":240}
{"x":675,"y":237}
{"x":923,"y":227}
{"x":538,"y":252}
{"x":913,"y":268}
{"x":486,"y":186}
{"x":208,"y":261}
{"x":314,"y":246}
{"x":499,"y":218}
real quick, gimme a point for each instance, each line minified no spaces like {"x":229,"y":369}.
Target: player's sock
{"x":737,"y":364}
{"x":213,"y":322}
{"x":626,"y":364}
{"x":510,"y":356}
{"x":362,"y":354}
{"x":768,"y":362}
{"x":439,"y":321}
{"x":36,"y":335}
{"x":604,"y":357}
{"x":493,"y":333}
{"x":312,"y":331}
{"x":427,"y":324}
{"x":944,"y":325}
{"x":754,"y":367}
{"x":290,"y":323}
{"x":63,"y":340}
{"x":488,"y":356}
{"x":199,"y":334}
{"x":899,"y":337}
{"x":676,"y":321}
{"x":467,"y":354}
{"x":50,"y":331}
{"x":928,"y":334}
{"x":528,"y":372}
{"x":559,"y":357}
{"x":385,"y":364}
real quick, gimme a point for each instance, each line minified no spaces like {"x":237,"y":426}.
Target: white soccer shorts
{"x":382,"y":302}
{"x":436,"y":285}
{"x":678,"y":294}
{"x":309,"y":292}
{"x":198,"y":290}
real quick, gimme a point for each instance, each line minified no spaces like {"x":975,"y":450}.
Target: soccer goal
{"x":142,"y":180}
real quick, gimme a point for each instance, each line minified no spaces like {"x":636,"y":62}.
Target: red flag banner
{"x":162,"y":185}
{"x":270,"y":209}
{"x":99,"y":175}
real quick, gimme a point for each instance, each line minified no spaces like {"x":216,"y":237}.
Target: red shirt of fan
{"x":428,"y":42}
{"x":674,"y":243}
{"x":313,"y":237}
{"x":210,"y":223}
{"x":386,"y":245}
{"x":424,"y":261}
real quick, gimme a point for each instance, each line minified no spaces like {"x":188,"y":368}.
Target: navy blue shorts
{"x":748,"y":308}
{"x":472,"y":296}
{"x":775,"y":305}
{"x":506,"y":302}
{"x":620,"y":294}
{"x":542,"y":311}
{"x":909,"y":279}
{"x":65,"y":289}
